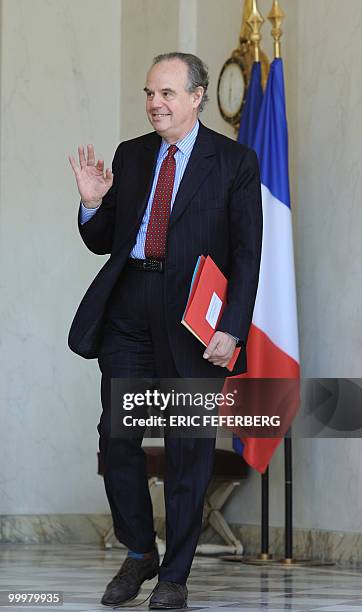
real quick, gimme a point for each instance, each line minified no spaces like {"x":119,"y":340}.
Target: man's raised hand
{"x":92,"y":183}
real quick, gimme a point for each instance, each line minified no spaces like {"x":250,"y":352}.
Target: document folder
{"x":206,"y":303}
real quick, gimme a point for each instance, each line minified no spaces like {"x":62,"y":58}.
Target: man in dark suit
{"x":173,"y":194}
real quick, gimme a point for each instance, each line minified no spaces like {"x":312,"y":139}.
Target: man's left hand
{"x":220,"y":349}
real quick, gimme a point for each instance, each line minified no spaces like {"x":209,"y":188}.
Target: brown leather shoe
{"x":127,"y":582}
{"x":168,"y":595}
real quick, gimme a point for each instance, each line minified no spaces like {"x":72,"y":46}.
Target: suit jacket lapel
{"x":148,"y":158}
{"x":200,"y":164}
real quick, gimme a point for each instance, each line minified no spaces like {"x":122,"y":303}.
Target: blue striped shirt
{"x":182,"y":157}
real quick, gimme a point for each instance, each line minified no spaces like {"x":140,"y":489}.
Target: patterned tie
{"x":155,"y":245}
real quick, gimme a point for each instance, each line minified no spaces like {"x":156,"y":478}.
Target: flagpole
{"x":276,"y":16}
{"x":255,"y":23}
{"x":264,"y":554}
{"x":288,"y":476}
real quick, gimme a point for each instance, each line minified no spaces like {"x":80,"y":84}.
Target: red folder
{"x":206,"y":303}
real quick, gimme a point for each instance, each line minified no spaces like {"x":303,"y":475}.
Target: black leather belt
{"x":148,"y":264}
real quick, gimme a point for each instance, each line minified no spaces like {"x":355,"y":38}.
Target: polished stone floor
{"x":81,"y":572}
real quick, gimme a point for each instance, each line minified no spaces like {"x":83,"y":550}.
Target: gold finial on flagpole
{"x":245,"y":28}
{"x":276,"y":17}
{"x":255,"y":22}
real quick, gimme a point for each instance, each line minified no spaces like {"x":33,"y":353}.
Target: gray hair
{"x":197,"y":72}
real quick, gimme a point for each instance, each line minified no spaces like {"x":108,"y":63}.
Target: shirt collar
{"x":185,"y":145}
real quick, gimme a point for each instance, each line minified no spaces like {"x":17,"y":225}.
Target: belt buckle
{"x":153,"y":265}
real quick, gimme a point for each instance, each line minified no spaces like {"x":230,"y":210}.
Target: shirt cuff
{"x":234,"y":337}
{"x":86,"y":213}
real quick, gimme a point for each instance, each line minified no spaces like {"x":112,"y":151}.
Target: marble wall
{"x":60,"y":86}
{"x":147,"y":29}
{"x":329,"y":211}
{"x":73,"y":72}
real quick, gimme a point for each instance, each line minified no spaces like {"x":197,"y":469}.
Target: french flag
{"x":272,"y":347}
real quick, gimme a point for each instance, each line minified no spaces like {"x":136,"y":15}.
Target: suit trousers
{"x":135,"y":345}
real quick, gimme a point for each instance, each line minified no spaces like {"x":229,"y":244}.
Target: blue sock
{"x":136,"y":555}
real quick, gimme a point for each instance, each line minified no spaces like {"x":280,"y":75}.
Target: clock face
{"x":231,"y":89}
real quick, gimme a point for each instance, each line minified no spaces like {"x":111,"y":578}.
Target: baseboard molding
{"x":54,"y":528}
{"x":341,"y":547}
{"x":344,"y":548}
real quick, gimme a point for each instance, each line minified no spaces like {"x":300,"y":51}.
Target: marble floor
{"x":81,"y":572}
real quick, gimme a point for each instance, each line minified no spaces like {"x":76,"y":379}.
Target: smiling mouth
{"x":157,"y":115}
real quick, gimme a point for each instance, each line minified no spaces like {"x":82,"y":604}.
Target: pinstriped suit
{"x":130,"y":319}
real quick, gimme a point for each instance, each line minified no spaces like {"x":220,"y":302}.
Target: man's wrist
{"x":91,"y":205}
{"x":233,"y":337}
{"x":86,"y":213}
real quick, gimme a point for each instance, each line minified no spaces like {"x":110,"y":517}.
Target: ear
{"x":197,"y":96}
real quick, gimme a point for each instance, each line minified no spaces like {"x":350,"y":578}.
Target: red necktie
{"x":155,"y":245}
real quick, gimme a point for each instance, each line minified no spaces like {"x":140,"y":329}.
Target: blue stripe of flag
{"x":252,"y":106}
{"x":246,"y":135}
{"x":271,"y":139}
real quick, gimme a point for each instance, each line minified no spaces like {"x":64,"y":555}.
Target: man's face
{"x":171,"y":109}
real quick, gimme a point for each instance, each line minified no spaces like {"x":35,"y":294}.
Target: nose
{"x":155,"y":102}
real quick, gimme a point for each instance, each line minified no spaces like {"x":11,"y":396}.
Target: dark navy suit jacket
{"x":217,"y":212}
